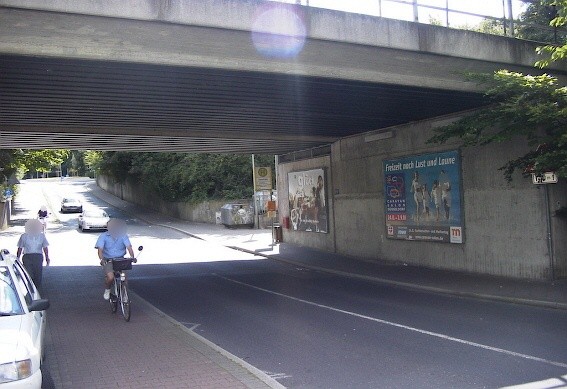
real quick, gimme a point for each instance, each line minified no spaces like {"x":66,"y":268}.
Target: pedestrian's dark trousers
{"x":34,"y":266}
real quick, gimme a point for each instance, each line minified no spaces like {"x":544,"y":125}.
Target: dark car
{"x":69,"y":204}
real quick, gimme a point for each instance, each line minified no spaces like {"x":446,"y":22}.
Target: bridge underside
{"x":86,"y":104}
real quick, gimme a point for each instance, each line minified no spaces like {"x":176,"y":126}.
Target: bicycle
{"x":119,"y":292}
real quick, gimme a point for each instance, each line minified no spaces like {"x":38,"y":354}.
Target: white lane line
{"x":405,"y":327}
{"x":552,"y":383}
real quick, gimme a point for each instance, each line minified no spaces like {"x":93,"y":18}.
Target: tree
{"x":93,"y":159}
{"x":490,"y":26}
{"x":116,"y":164}
{"x":185,"y":177}
{"x":558,"y":51}
{"x":533,"y":107}
{"x":535,"y":23}
{"x":12,"y":161}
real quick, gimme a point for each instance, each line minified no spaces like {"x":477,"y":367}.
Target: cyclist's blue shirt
{"x":112,"y":247}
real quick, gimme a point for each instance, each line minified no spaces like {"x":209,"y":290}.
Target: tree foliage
{"x":535,"y":23}
{"x":12,"y":161}
{"x":185,"y":177}
{"x":558,"y":51}
{"x":532,"y":107}
{"x":93,"y":159}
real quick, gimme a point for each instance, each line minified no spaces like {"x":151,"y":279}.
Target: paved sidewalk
{"x":538,"y":293}
{"x":89,"y":347}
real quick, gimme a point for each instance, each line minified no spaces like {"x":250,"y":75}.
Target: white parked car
{"x":93,"y":219}
{"x":22,"y":326}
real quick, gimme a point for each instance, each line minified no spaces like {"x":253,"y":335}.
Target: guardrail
{"x":507,"y":23}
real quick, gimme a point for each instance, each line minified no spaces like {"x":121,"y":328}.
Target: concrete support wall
{"x":204,"y":212}
{"x":322,"y":241}
{"x":505,"y":224}
{"x":558,"y":199}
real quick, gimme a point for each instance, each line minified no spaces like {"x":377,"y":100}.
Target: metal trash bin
{"x":237,"y":214}
{"x":278,"y":234}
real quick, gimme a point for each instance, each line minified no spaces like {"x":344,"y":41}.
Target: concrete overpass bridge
{"x":238,"y":76}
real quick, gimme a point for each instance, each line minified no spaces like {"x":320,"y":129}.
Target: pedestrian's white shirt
{"x":32,"y":243}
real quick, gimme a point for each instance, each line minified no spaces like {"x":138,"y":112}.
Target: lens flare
{"x":279,"y":31}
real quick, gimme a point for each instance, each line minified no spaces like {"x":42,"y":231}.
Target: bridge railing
{"x":505,"y":21}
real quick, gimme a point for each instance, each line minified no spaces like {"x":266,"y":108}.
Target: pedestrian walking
{"x":33,"y":245}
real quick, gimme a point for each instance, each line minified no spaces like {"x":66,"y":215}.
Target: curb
{"x":400,"y":284}
{"x":407,"y":285}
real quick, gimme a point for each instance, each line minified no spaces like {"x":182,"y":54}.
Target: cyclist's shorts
{"x":107,"y":267}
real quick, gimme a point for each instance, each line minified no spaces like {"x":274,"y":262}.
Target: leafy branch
{"x":532,"y":107}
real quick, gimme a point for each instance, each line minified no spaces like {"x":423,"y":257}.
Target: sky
{"x":396,"y":10}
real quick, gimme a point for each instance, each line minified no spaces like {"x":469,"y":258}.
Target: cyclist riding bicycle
{"x":42,"y":216}
{"x":42,"y":212}
{"x":112,"y":244}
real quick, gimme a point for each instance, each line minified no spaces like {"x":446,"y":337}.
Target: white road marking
{"x":278,"y":376}
{"x":552,"y":383}
{"x":403,"y":326}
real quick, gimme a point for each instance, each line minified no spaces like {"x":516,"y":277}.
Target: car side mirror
{"x":38,"y":305}
{"x":6,"y":252}
{"x":140,"y":248}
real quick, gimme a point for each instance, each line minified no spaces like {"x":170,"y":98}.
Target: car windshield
{"x":67,"y":201}
{"x":9,"y":301}
{"x":95,"y":214}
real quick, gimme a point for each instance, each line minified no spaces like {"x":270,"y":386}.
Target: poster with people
{"x":308,"y":201}
{"x":423,"y":197}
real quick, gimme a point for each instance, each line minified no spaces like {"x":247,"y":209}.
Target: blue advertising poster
{"x":423,"y":197}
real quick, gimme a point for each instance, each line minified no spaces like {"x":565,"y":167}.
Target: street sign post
{"x":262,"y":178}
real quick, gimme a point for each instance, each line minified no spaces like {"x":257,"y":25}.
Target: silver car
{"x":93,"y":219}
{"x":69,"y":204}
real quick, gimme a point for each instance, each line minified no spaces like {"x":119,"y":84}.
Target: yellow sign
{"x":263,"y":178}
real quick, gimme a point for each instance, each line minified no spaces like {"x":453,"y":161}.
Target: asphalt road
{"x":315,"y":330}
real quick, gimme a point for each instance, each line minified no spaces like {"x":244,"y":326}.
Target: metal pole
{"x":415,"y":11}
{"x":379,"y":7}
{"x":511,"y":16}
{"x":446,"y":13}
{"x":504,"y":16}
{"x":256,"y":219}
{"x":549,"y":236}
{"x":276,"y":161}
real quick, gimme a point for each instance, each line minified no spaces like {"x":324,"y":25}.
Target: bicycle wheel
{"x":113,"y":300}
{"x":124,"y":301}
